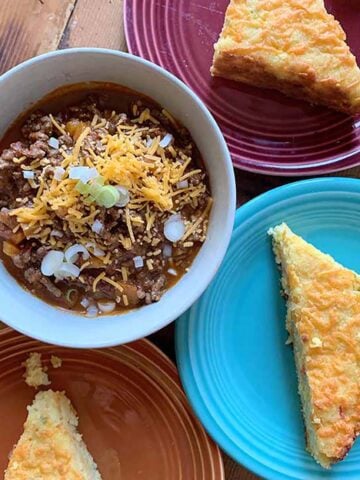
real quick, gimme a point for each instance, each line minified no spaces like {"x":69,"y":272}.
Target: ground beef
{"x":5,"y":232}
{"x":141,"y":292}
{"x":17,"y":149}
{"x":85,"y":111}
{"x":66,"y":140}
{"x":29,"y":256}
{"x":38,"y":122}
{"x":157,"y":287}
{"x":196,"y":179}
{"x":7,"y":219}
{"x":55,"y":158}
{"x":7,"y":186}
{"x":151,"y":287}
{"x":32,"y":275}
{"x":40,"y":135}
{"x":51,"y":288}
{"x":38,"y":149}
{"x":40,"y":253}
{"x":22,"y":259}
{"x":36,"y":280}
{"x":7,"y":225}
{"x":3,"y":200}
{"x":111,"y":217}
{"x":6,"y":160}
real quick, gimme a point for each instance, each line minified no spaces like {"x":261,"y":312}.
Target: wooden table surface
{"x":32,"y":27}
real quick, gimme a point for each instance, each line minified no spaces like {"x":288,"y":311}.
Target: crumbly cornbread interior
{"x":50,"y":447}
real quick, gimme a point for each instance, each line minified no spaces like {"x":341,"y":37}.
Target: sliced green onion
{"x":71,"y":296}
{"x":88,"y":200}
{"x":99,"y":180}
{"x":108,"y":197}
{"x":91,"y":187}
{"x":94,"y":190}
{"x":82,"y":188}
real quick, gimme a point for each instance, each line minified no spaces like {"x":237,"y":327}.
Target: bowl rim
{"x":228,"y":221}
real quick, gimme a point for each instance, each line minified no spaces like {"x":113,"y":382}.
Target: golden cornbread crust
{"x":323,"y":320}
{"x":289,"y":45}
{"x":50,"y":447}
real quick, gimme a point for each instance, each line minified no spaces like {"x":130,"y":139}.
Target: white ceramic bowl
{"x":32,"y":80}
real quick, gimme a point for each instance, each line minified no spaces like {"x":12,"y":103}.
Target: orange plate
{"x":133,"y":414}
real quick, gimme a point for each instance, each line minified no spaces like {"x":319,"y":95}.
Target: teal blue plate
{"x":235,"y":367}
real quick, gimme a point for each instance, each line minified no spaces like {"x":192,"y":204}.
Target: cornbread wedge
{"x":323,"y":320}
{"x":293,"y":46}
{"x":50,"y":447}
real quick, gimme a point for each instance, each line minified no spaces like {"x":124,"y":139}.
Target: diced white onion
{"x":138,"y":262}
{"x":85,"y":302}
{"x":174,"y":218}
{"x":106,"y":307}
{"x":182,"y":184}
{"x":56,"y":233}
{"x":67,"y":270}
{"x":165,"y":142}
{"x":84,"y":174}
{"x":172,"y":271}
{"x":124,"y":196}
{"x":174,"y":228}
{"x":92,"y":311}
{"x":51,"y":262}
{"x":167,"y":250}
{"x":28,"y":174}
{"x":97,"y":252}
{"x":97,"y":226}
{"x":53,"y":143}
{"x":59,"y":172}
{"x":72,"y":253}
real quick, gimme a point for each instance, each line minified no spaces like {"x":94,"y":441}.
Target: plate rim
{"x":166,"y":368}
{"x":336,"y":164}
{"x":196,"y":400}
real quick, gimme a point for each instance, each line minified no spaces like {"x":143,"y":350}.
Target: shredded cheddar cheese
{"x":131,"y":158}
{"x":201,"y":218}
{"x":97,"y":280}
{"x":113,"y":283}
{"x":59,"y":127}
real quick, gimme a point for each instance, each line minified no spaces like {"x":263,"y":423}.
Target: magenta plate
{"x":266,"y":131}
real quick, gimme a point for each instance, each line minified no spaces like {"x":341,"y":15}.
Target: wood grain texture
{"x":30,"y":27}
{"x":96,"y":23}
{"x":250,"y":185}
{"x":233,"y":471}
